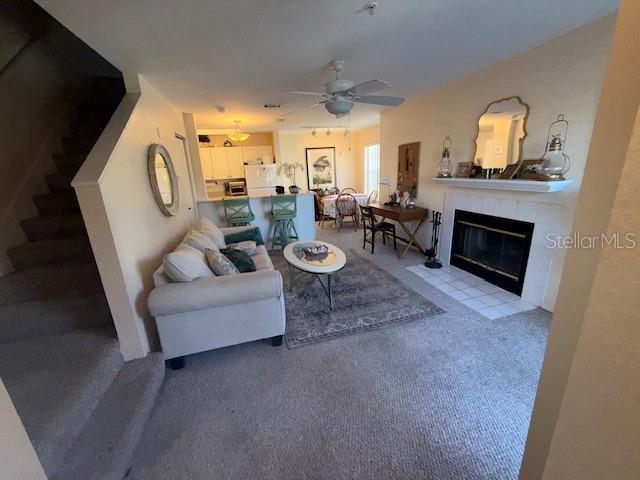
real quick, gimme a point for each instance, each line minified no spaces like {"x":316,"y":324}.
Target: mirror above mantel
{"x":501,"y":131}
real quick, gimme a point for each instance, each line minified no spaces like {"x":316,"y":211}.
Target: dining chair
{"x":347,"y":206}
{"x":373,"y":197}
{"x":372,"y":228}
{"x":319,"y":210}
{"x":348,"y":190}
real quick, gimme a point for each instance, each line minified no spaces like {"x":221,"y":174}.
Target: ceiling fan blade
{"x":370,"y":86}
{"x":380,"y":100}
{"x":315,"y":94}
{"x":306,"y":107}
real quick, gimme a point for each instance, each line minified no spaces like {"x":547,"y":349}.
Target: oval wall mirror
{"x":501,"y":131}
{"x":162,"y":176}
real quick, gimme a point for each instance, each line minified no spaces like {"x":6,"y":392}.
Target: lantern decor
{"x":445,"y":169}
{"x":555,"y":163}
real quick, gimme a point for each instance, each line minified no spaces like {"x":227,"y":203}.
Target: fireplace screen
{"x":493,"y":248}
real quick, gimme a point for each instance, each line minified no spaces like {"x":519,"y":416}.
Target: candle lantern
{"x":445,"y":167}
{"x":555,"y":163}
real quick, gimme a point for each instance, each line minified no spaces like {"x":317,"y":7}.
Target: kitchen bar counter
{"x":213,"y":209}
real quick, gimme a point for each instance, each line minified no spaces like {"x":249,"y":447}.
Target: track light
{"x":328,"y":132}
{"x":314,"y":134}
{"x":346,"y":132}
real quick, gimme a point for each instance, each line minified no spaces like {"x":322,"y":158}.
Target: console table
{"x":402,"y":215}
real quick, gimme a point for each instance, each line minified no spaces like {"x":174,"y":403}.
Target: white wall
{"x":585,"y":419}
{"x":128,"y":233}
{"x":291,"y":148}
{"x":560,"y":76}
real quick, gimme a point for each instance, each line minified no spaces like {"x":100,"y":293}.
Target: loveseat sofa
{"x":218,"y":311}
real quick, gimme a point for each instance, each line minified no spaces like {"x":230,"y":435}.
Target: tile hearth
{"x":483,"y":297}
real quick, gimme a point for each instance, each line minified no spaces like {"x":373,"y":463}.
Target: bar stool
{"x":283,"y":211}
{"x":238,"y":211}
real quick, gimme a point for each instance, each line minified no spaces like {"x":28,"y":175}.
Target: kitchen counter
{"x":217,"y":198}
{"x":213,"y":209}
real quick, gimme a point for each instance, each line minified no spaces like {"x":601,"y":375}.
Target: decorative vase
{"x":294,"y":189}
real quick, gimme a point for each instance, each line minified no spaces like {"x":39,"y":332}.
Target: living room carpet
{"x":365,"y":298}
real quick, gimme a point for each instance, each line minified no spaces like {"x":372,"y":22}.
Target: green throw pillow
{"x":249,"y":234}
{"x":240,"y":259}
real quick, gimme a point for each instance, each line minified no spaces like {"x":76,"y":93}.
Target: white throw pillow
{"x":247,"y":246}
{"x":185,"y":264}
{"x":199,"y":241}
{"x":212,"y":231}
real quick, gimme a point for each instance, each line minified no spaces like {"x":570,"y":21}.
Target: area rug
{"x":365,"y":298}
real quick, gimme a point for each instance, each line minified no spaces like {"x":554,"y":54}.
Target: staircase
{"x":83,"y":408}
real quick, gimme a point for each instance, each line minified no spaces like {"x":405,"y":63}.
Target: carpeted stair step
{"x":49,"y":317}
{"x":62,"y":226}
{"x":57,"y":281}
{"x":58,"y":182}
{"x":58,"y":203}
{"x":104,"y":449}
{"x":69,"y":163}
{"x":55,"y":383}
{"x":50,"y":252}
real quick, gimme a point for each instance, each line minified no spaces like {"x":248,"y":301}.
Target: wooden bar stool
{"x":238,"y":211}
{"x":283,"y":211}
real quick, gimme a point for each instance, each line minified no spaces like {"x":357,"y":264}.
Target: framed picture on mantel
{"x":408,"y":168}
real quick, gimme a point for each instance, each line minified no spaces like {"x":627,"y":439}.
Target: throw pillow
{"x":248,"y":247}
{"x":199,"y":241}
{"x":240,"y":259}
{"x":220,"y":264}
{"x":244,"y":235}
{"x":211,"y":230}
{"x":185,"y":264}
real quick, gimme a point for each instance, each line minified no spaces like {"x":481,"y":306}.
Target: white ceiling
{"x":244,"y":53}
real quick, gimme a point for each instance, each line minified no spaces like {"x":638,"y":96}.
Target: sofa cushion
{"x":244,"y":235}
{"x":211,"y":230}
{"x":248,"y":247}
{"x":240,"y":259}
{"x":198,"y":240}
{"x":185,"y":264}
{"x":220,"y":264}
{"x":262,"y":259}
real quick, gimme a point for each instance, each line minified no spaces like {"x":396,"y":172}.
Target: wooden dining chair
{"x":319,"y":211}
{"x":373,"y":227}
{"x":347,"y":206}
{"x":373,"y":197}
{"x":348,"y":190}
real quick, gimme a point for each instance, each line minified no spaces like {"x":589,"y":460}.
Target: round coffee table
{"x":328,"y":264}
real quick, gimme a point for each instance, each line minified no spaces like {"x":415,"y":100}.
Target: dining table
{"x":402,"y":215}
{"x":328,"y":203}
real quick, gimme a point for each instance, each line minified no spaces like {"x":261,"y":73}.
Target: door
{"x":236,"y":162}
{"x":219,"y":161}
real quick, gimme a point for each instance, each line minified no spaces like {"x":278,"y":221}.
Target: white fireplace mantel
{"x":536,"y":186}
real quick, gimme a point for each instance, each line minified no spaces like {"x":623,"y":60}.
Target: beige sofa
{"x":218,"y":311}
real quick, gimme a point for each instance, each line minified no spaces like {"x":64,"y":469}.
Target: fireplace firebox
{"x":493,"y":248}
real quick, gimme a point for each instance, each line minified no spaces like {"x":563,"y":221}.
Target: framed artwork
{"x":529,"y":169}
{"x":408,"y":168}
{"x":463,"y":169}
{"x":321,"y":167}
{"x":511,"y":171}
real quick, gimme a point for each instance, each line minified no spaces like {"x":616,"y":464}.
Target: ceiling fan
{"x":340,"y":95}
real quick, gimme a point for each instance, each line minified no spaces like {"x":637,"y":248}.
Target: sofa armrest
{"x":210,"y":292}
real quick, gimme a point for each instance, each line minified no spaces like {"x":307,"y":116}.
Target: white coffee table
{"x":333,"y":262}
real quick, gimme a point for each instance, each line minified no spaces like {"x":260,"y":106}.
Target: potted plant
{"x":289,"y":171}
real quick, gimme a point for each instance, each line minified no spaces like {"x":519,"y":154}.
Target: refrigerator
{"x":261,"y":179}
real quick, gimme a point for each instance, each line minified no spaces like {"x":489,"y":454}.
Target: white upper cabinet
{"x":228,"y":162}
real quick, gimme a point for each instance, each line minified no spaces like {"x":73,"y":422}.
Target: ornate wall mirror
{"x":162,"y":176}
{"x":501,"y":131}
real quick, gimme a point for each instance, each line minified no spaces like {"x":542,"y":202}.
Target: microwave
{"x":236,"y":188}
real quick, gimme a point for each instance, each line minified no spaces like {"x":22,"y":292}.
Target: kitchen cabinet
{"x":221,"y":163}
{"x":257,"y":154}
{"x":206,"y":163}
{"x":235,"y":162}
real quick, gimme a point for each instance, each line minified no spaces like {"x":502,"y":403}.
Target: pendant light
{"x":238,"y":135}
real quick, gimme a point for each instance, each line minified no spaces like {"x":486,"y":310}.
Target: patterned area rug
{"x":365,"y":298}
